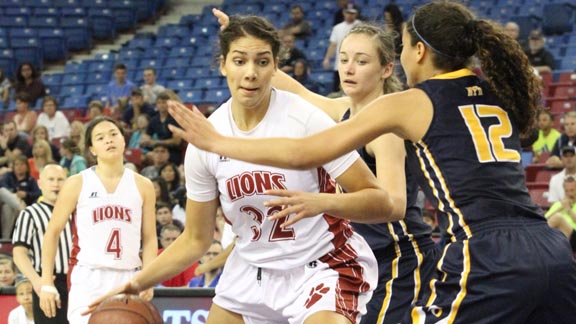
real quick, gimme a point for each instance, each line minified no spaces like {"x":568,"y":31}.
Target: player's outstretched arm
{"x":364,"y":201}
{"x":406,"y":114}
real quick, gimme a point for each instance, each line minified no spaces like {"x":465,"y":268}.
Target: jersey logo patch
{"x":224,"y":159}
{"x":94,"y":195}
{"x":315,"y":294}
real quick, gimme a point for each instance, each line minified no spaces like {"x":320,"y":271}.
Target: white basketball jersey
{"x":241,"y":185}
{"x":106,"y":226}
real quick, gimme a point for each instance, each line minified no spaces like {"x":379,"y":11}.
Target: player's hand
{"x":127,"y":288}
{"x":147,"y":294}
{"x":195,"y":128}
{"x":49,"y":300}
{"x":301,"y":204}
{"x":223,"y":18}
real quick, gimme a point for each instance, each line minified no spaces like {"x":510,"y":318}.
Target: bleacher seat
{"x":171,"y":73}
{"x":133,"y":155}
{"x":44,"y":21}
{"x":72,"y":90}
{"x":182,"y":51}
{"x":124,"y":12}
{"x":78,"y":12}
{"x":155,"y":52}
{"x":562,"y":106}
{"x":104,"y":24}
{"x":78,"y":33}
{"x":558,"y":18}
{"x":208,"y":83}
{"x":28,"y":50}
{"x":41,"y":3}
{"x":46,"y":12}
{"x":145,"y":9}
{"x":539,"y":195}
{"x":54,"y":44}
{"x":215,"y":95}
{"x":71,"y":113}
{"x":7,"y":62}
{"x":192,"y":96}
{"x":74,"y":79}
{"x":75,"y":101}
{"x":128,"y":53}
{"x":68,"y":3}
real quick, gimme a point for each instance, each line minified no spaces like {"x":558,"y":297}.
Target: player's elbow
{"x":301,"y":159}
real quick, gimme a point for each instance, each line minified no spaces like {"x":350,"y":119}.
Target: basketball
{"x":125,"y":309}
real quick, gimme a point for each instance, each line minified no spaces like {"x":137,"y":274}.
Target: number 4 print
{"x":114,"y":245}
{"x":488,"y":140}
{"x":277,"y":234}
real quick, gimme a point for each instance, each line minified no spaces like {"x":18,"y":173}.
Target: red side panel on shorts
{"x":350,"y":281}
{"x":75,"y":247}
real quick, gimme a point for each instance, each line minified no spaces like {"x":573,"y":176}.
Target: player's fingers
{"x":292,"y":220}
{"x":280,"y":193}
{"x":177,"y":131}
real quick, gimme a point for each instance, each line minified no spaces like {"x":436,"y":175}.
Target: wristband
{"x":50,"y":289}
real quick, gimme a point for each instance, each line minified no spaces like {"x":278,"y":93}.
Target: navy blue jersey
{"x":412,"y":227}
{"x":469,"y":158}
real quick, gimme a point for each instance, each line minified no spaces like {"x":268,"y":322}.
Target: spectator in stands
{"x":17,"y":190}
{"x":28,"y":81}
{"x":566,"y":139}
{"x":139,"y":133}
{"x":562,"y":214}
{"x":72,"y":159}
{"x":41,"y":156}
{"x":22,"y":314}
{"x":164,"y":217}
{"x":160,"y":155}
{"x":95,"y":109}
{"x":25,"y":117}
{"x":27,"y":240}
{"x":5,"y":87}
{"x":547,"y":135}
{"x":209,"y":279}
{"x":118,"y":90}
{"x":298,"y":26}
{"x":151,"y":89}
{"x":54,"y":120}
{"x":301,"y":74}
{"x":556,"y":186}
{"x":12,"y":144}
{"x":136,"y":107}
{"x":168,"y":234}
{"x":169,"y":172}
{"x":161,"y":191}
{"x":513,"y":30}
{"x":77,"y":130}
{"x":336,"y":37}
{"x":7,"y":272}
{"x":159,"y":132}
{"x":540,"y":58}
{"x":339,"y":14}
{"x":289,"y":54}
{"x":41,"y":133}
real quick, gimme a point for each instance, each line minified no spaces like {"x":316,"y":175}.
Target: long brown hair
{"x":454,"y":36}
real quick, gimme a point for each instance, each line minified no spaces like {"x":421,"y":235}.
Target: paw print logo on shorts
{"x":315,"y":294}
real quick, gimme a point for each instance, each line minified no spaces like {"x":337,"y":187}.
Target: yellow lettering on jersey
{"x":474,"y":91}
{"x":488,"y":140}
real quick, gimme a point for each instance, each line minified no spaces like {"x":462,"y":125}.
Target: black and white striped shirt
{"x":29,"y":232}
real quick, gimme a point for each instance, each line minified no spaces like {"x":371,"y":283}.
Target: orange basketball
{"x":125,"y":309}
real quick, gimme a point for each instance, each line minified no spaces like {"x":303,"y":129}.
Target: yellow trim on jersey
{"x":454,"y":74}
{"x":434,"y":190}
{"x":433,"y":281}
{"x":463,"y":282}
{"x":424,"y":149}
{"x":419,"y":257}
{"x":393,"y":276}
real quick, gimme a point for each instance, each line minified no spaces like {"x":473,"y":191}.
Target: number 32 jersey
{"x":240,"y":186}
{"x":107,"y":226}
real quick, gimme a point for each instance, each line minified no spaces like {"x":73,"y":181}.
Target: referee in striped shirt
{"x":27,"y":240}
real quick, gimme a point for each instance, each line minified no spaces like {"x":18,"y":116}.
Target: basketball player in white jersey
{"x":314,"y":271}
{"x":113,"y":217}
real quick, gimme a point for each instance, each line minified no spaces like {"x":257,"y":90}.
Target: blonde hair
{"x":47,"y":150}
